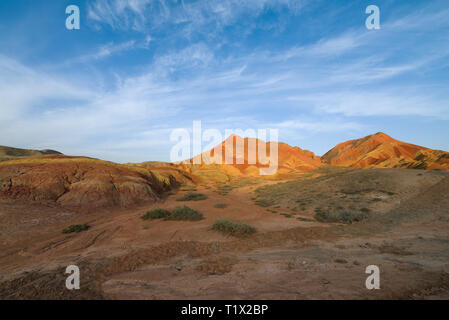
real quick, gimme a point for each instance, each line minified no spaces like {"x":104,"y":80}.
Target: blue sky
{"x":136,"y":70}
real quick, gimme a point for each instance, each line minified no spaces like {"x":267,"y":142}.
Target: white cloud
{"x":423,"y":19}
{"x":323,"y":87}
{"x":320,"y":126}
{"x":363,"y":103}
{"x":41,"y":110}
{"x":21,"y":88}
{"x":141,"y":15}
{"x":105,"y":51}
{"x":120,"y":14}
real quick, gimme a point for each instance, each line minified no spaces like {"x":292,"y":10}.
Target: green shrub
{"x":192,"y":196}
{"x":156,"y":214}
{"x":184,"y":213}
{"x":235,"y":229}
{"x":304,"y":219}
{"x":221,"y":205}
{"x":76,"y":228}
{"x":346,"y":216}
{"x":264,"y":203}
{"x":287,"y":215}
{"x":179,"y":213}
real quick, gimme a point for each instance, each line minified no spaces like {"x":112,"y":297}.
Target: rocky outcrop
{"x":81,"y":182}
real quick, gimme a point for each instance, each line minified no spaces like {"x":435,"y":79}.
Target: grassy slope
{"x":9,"y":153}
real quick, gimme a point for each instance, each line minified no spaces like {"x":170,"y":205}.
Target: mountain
{"x":9,"y":153}
{"x":249,"y":163}
{"x":382,"y":151}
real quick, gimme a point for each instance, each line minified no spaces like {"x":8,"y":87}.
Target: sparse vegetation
{"x":224,"y":189}
{"x":235,"y":229}
{"x":221,"y":205}
{"x":287,"y":215}
{"x":76,"y":228}
{"x":304,"y":219}
{"x":264,"y":203}
{"x":184,"y":213}
{"x":156,"y":214}
{"x":334,"y":189}
{"x":179,"y":213}
{"x":216,"y":265}
{"x":350,"y":192}
{"x":192,"y":196}
{"x":343,"y":216}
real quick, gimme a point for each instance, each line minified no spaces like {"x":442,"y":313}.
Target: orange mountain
{"x":382,"y":151}
{"x":246,"y":161}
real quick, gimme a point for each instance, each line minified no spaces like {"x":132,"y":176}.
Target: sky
{"x":137,"y":69}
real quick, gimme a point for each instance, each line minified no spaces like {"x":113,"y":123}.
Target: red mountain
{"x":248,"y":162}
{"x":382,"y":151}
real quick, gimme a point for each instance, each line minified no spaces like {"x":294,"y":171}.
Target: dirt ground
{"x":291,"y":256}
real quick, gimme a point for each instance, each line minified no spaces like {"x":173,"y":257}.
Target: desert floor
{"x":123,"y":257}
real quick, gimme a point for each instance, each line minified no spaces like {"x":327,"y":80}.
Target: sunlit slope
{"x":248,"y":161}
{"x":382,"y":151}
{"x":9,"y":153}
{"x":81,"y":182}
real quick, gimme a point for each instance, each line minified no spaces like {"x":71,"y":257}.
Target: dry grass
{"x":179,"y":214}
{"x":184,"y":214}
{"x":76,"y":228}
{"x":343,"y":216}
{"x":156,"y":214}
{"x":192,"y":196}
{"x":216,"y":265}
{"x":235,"y":229}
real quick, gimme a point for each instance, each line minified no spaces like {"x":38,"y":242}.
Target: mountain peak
{"x":382,"y":136}
{"x":288,"y":157}
{"x":382,"y":151}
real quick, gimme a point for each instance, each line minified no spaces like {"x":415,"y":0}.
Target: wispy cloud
{"x":143,"y":15}
{"x":105,"y":51}
{"x":120,"y":14}
{"x":342,"y":81}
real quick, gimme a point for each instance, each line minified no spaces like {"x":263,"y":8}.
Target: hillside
{"x":80,"y":182}
{"x":249,"y":163}
{"x":382,"y":151}
{"x":9,"y":153}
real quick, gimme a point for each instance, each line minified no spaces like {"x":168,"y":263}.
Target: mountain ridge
{"x":11,"y":153}
{"x":382,"y":151}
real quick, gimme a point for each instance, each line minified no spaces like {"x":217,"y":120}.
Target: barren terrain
{"x":291,"y":256}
